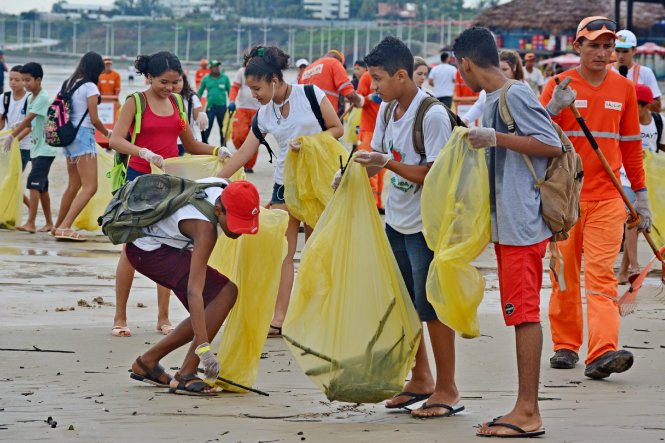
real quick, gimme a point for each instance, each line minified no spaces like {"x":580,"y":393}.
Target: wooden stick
{"x":379,"y":330}
{"x":36,"y":349}
{"x":310,"y":351}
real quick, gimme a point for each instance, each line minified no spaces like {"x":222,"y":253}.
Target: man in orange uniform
{"x":328,"y":73}
{"x":608,"y":103}
{"x":109,"y":80}
{"x":201,"y":72}
{"x":244,"y":106}
{"x":370,"y":106}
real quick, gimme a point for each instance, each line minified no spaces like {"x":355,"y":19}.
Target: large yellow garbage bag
{"x":308,"y":174}
{"x":195,"y":167}
{"x":352,"y":125}
{"x":254,"y":264}
{"x":351,"y":324}
{"x":456,"y":220}
{"x":654,"y":168}
{"x":87,"y":219}
{"x":11,"y":185}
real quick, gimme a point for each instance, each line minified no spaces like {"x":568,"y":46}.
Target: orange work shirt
{"x":109,"y":83}
{"x":329,"y":74}
{"x":461,"y":89}
{"x":611,"y":113}
{"x":370,"y":109}
{"x":200,"y":73}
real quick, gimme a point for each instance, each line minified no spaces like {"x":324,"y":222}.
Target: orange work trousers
{"x":242,"y":122}
{"x":598,"y":233}
{"x":376,"y":182}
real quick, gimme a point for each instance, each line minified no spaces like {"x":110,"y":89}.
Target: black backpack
{"x":6,"y":99}
{"x":59,"y":130}
{"x":313,"y":103}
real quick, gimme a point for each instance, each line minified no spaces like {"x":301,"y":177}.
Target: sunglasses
{"x":597,"y":25}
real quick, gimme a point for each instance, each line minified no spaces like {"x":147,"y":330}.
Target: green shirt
{"x":39,"y":106}
{"x":217,"y":89}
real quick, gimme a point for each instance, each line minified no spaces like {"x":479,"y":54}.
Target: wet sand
{"x":90,"y":389}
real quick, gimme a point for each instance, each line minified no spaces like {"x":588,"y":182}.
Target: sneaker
{"x":564,"y":359}
{"x":609,"y":362}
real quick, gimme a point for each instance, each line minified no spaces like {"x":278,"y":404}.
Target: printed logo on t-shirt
{"x":396,"y":181}
{"x":581,"y":104}
{"x":614,"y":106}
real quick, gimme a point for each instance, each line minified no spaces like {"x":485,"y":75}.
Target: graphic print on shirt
{"x":398,"y":182}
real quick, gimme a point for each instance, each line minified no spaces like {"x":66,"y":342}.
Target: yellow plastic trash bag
{"x":308,"y":174}
{"x":456,"y":220}
{"x":654,"y":168}
{"x":351,"y":324}
{"x":87,"y":219}
{"x":351,"y":126}
{"x":254,"y":264}
{"x":11,"y":185}
{"x":195,"y":167}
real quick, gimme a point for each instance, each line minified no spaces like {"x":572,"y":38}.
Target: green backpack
{"x":148,"y":199}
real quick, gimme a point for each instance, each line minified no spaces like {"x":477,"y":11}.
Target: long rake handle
{"x":617,"y":184}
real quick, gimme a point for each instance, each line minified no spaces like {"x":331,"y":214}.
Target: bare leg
{"x":525,"y":414}
{"x":86,"y":170}
{"x":73,"y":186}
{"x":29,"y":225}
{"x":421,"y":381}
{"x":124,"y":276}
{"x":288,"y":270}
{"x":163,"y":298}
{"x":45,"y":199}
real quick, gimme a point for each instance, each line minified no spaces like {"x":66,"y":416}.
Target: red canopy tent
{"x":563,"y":60}
{"x":650,"y":49}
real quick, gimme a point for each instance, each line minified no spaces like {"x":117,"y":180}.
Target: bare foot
{"x":528,"y":423}
{"x":448,"y":397}
{"x":45,"y":228}
{"x":28,"y":227}
{"x":415,"y":386}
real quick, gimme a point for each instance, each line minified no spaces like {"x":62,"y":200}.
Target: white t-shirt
{"x":403,"y":205}
{"x":244,"y":100}
{"x":301,"y":121}
{"x":167,"y":230}
{"x":80,"y":104}
{"x":644,"y":76}
{"x":649,"y":136}
{"x":16,"y":115}
{"x":196,"y":103}
{"x":534,"y":79}
{"x":443,"y":76}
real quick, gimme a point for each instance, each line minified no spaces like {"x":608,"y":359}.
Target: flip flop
{"x":452,"y":410}
{"x":121,"y":331}
{"x":521,"y":433}
{"x":165,"y":329}
{"x":415,"y":398}
{"x":278,"y":334}
{"x":152,"y":374}
{"x":194,"y":389}
{"x":68,"y":235}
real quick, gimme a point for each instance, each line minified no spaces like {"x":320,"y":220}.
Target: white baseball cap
{"x":302,"y":61}
{"x":626,"y":39}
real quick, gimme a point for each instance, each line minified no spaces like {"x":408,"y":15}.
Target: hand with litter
{"x":373,"y":158}
{"x":223,"y":153}
{"x":482,"y":137}
{"x":7,"y":144}
{"x":562,"y":97}
{"x":295,"y":145}
{"x":209,"y":361}
{"x":336,"y":180}
{"x":149,"y":156}
{"x":642,"y":208}
{"x":202,"y":121}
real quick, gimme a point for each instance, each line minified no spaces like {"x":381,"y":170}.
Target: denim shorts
{"x":83,"y":144}
{"x":413,"y":258}
{"x":277,"y":195}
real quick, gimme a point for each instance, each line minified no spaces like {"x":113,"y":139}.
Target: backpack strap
{"x":658,"y":119}
{"x":68,"y":94}
{"x":418,"y":131}
{"x":201,"y":203}
{"x":177,"y":98}
{"x":314,"y":104}
{"x":259,"y":135}
{"x":387,"y":113}
{"x":6,"y":97}
{"x":139,"y":101}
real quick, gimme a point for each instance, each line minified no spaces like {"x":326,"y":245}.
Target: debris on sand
{"x":141,"y":305}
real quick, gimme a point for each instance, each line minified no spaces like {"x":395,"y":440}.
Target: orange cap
{"x":602,"y":26}
{"x":203,"y":62}
{"x":338,"y":54}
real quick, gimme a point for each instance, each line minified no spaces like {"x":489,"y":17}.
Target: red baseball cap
{"x":644,"y":93}
{"x":241,"y":201}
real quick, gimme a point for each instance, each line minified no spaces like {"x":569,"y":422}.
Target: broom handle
{"x":617,"y":184}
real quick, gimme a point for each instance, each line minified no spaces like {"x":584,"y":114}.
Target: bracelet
{"x":214,"y":150}
{"x":202,"y":350}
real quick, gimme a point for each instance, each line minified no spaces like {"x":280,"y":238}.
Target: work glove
{"x":482,"y":137}
{"x":336,"y":180}
{"x":642,"y":208}
{"x":149,"y":156}
{"x":373,"y":158}
{"x":209,"y":361}
{"x":562,"y":97}
{"x":232,"y":107}
{"x":7,"y":144}
{"x":376,"y":98}
{"x":202,"y":121}
{"x":295,"y":145}
{"x":223,"y":153}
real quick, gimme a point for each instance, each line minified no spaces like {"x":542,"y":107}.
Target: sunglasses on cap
{"x":597,"y":25}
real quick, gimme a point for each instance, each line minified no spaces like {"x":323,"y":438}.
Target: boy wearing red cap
{"x":608,"y":103}
{"x":174,"y":253}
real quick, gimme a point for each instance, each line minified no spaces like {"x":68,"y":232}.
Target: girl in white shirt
{"x":81,"y":155}
{"x":197,"y":120}
{"x":286,"y":114}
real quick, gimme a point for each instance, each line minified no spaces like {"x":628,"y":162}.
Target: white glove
{"x":373,"y":158}
{"x":295,"y":145}
{"x":202,"y":121}
{"x":149,"y":156}
{"x":642,"y":208}
{"x":336,"y":180}
{"x":482,"y":137}
{"x":562,"y":97}
{"x":209,"y":361}
{"x":223,"y":153}
{"x":7,"y":144}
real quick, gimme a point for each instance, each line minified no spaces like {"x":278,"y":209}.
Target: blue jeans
{"x":215,"y":111}
{"x":83,"y":144}
{"x":413,"y":258}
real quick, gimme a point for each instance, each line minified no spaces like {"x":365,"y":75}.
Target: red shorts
{"x":169,"y":267}
{"x":520,"y":280}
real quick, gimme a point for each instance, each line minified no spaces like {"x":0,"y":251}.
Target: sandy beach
{"x":46,"y":286}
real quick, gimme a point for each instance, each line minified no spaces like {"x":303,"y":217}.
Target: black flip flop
{"x":521,"y":433}
{"x":194,"y":389}
{"x":452,"y":410}
{"x":415,"y":398}
{"x":152,"y":374}
{"x":276,"y":328}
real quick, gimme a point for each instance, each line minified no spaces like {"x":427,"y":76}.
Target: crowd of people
{"x":615,"y":97}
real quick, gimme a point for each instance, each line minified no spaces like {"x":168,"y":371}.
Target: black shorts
{"x":38,"y":177}
{"x":277,"y":195}
{"x":25,"y":158}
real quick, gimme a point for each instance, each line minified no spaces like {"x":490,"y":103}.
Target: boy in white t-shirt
{"x":12,"y":111}
{"x":390,"y":64}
